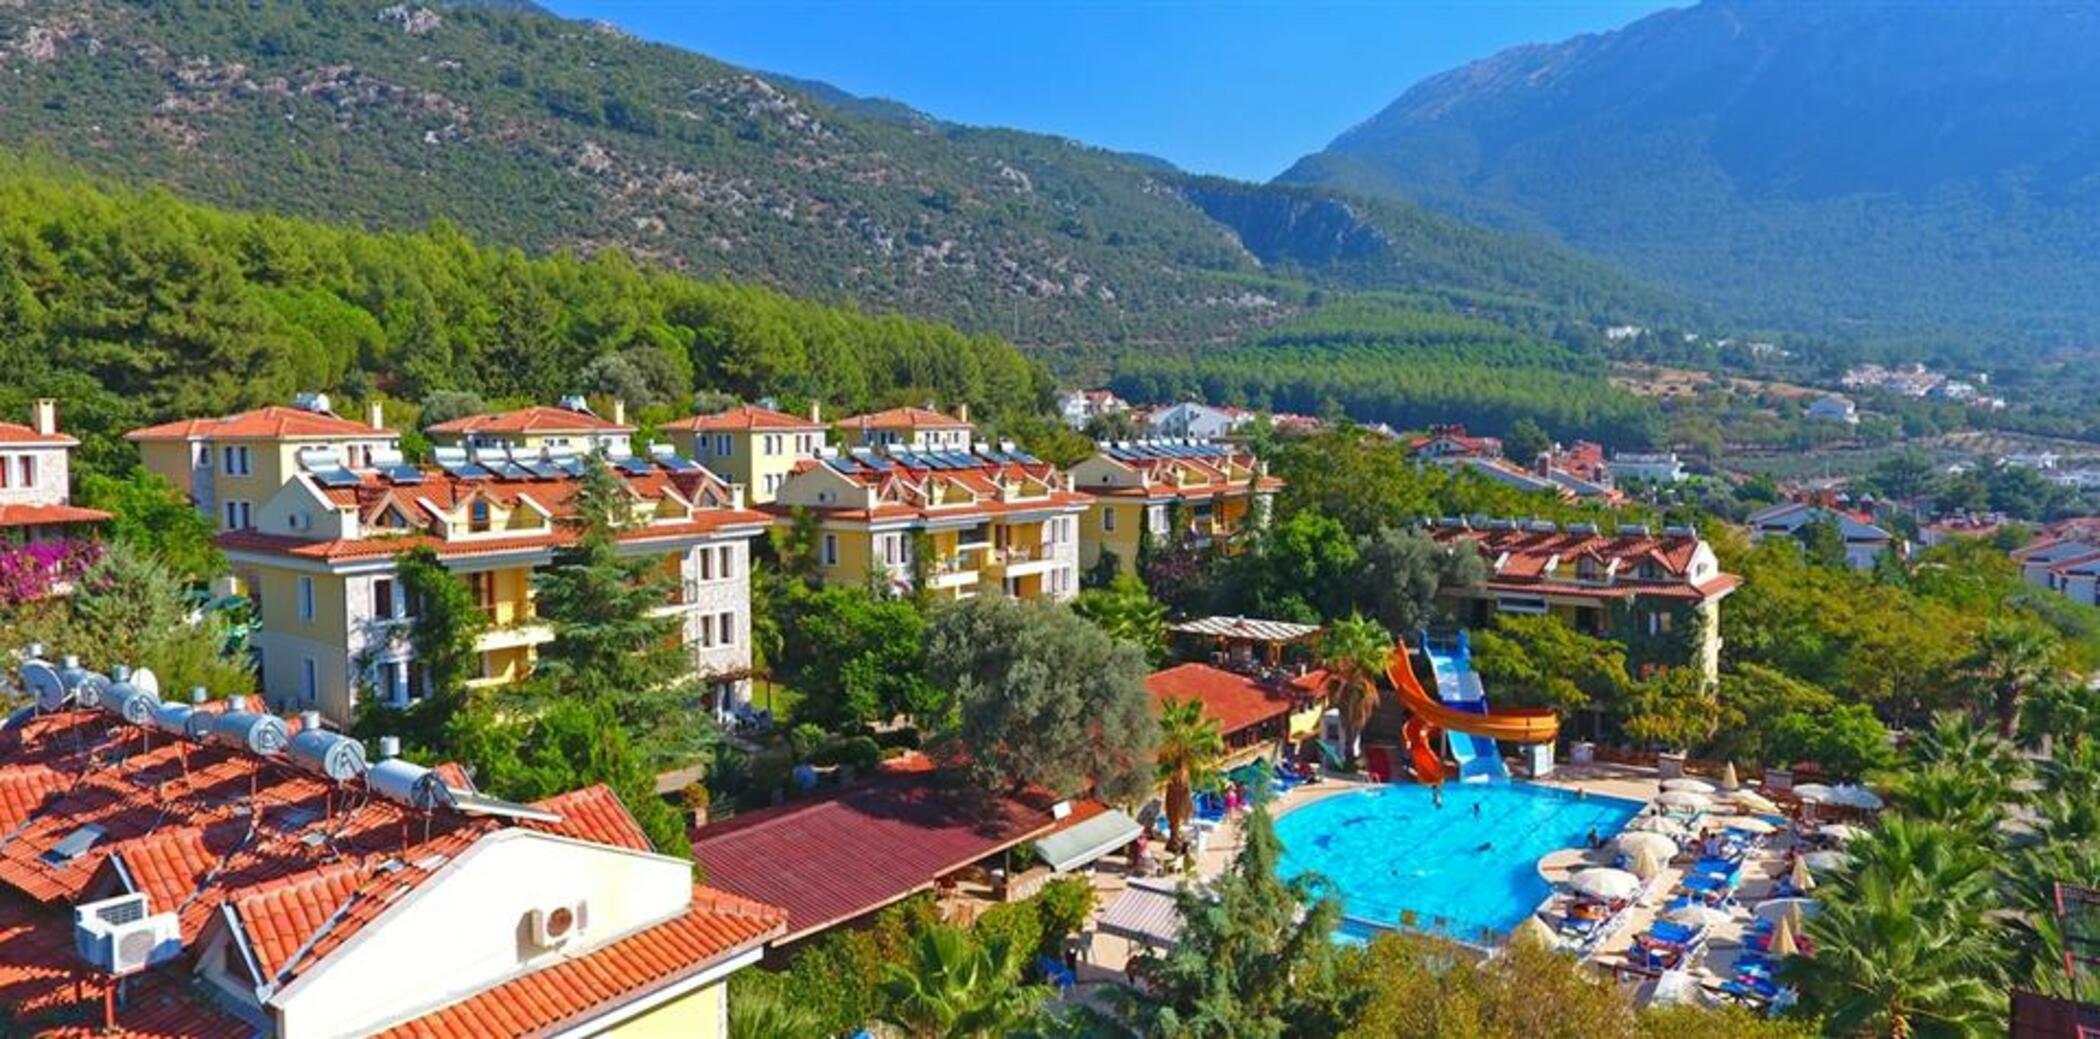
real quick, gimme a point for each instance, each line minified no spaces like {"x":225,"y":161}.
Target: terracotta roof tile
{"x":539,"y":418}
{"x":904,"y":418}
{"x":38,"y":515}
{"x":840,"y":856}
{"x":1236,"y":701}
{"x":742,"y":417}
{"x":273,"y":422}
{"x":16,"y":433}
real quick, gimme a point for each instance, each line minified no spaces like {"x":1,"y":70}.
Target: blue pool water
{"x":1398,"y":860}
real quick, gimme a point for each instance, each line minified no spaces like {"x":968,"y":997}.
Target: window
{"x":383,"y":598}
{"x":478,"y":516}
{"x":309,"y":681}
{"x":723,"y":445}
{"x":773,"y":482}
{"x":6,"y":479}
{"x":25,"y":467}
{"x":1108,"y":519}
{"x":707,"y":564}
{"x":831,"y":550}
{"x":1156,"y":518}
{"x":725,"y":566}
{"x":306,"y":599}
{"x":236,"y":460}
{"x":772,"y":444}
{"x":727,"y":623}
{"x":238,"y":514}
{"x":482,"y":583}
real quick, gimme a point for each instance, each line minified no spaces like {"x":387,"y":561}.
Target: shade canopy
{"x":1841,"y":832}
{"x":1633,"y":842}
{"x":1748,"y":824}
{"x":1657,"y":824}
{"x":1783,"y":943}
{"x":1801,"y":877}
{"x":1605,"y":883}
{"x":1853,"y":796}
{"x":1812,"y":792}
{"x":1729,"y":780}
{"x":1697,"y":786}
{"x":1697,"y":914}
{"x":1752,"y":801}
{"x":1826,"y":861}
{"x":1144,"y":913}
{"x":1683,"y":799}
{"x":1083,"y":842}
{"x":1246,"y":628}
{"x":1646,"y":864}
{"x":1800,"y":908}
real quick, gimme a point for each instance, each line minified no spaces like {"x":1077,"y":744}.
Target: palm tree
{"x":1967,"y":799}
{"x":1190,"y":746}
{"x":1354,"y":653}
{"x":954,"y":984}
{"x":2011,"y":659}
{"x":2061,"y":713}
{"x":1126,"y":610}
{"x":1901,"y":945}
{"x":762,"y":1011}
{"x":1958,"y":741}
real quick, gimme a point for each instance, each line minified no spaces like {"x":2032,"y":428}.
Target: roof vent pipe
{"x":198,"y":694}
{"x":389,"y":747}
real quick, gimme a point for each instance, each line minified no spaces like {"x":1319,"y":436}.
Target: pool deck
{"x":1108,"y":956}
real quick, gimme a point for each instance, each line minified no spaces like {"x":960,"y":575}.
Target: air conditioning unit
{"x":555,"y":926}
{"x":122,"y":935}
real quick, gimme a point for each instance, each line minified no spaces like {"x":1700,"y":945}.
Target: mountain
{"x":533,"y":131}
{"x":1870,"y":168}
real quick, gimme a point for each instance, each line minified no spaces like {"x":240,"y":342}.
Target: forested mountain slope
{"x":1837,"y":167}
{"x":530,"y":130}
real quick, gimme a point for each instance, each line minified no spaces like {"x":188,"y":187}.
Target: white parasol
{"x":1697,"y":915}
{"x":1773,"y":909}
{"x":1752,"y":801}
{"x":1633,"y":843}
{"x":1683,"y":799}
{"x":1826,"y":861}
{"x":1841,"y":832}
{"x":1697,"y":786}
{"x":1607,"y":884}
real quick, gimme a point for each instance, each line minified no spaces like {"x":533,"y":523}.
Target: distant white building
{"x":1621,"y":333}
{"x":2038,"y":460}
{"x":1864,"y":542}
{"x":1654,"y":467}
{"x":1079,"y":407}
{"x":1835,"y":408}
{"x":1199,"y":421}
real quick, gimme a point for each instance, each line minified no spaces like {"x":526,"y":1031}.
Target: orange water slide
{"x":1420,"y":739}
{"x":1511,"y":724}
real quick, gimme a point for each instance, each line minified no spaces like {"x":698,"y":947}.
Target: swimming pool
{"x":1397,"y":859}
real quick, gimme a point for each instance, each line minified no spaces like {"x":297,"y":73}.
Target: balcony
{"x":513,"y":636}
{"x":952,"y":572}
{"x":1021,"y":560}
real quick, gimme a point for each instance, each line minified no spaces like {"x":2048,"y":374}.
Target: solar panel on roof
{"x":679,"y":465}
{"x":879,"y":464}
{"x":570,"y":466}
{"x":543,"y":470}
{"x":337,"y":478}
{"x":633,"y":466}
{"x":960,"y":460}
{"x":404,"y":474}
{"x":464,"y":470}
{"x":1025,"y":458}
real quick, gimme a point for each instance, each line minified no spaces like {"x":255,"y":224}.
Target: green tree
{"x":1848,"y":741}
{"x":2011,"y":658}
{"x":444,"y":623}
{"x":1525,"y":442}
{"x":129,"y":608}
{"x":1303,"y":568}
{"x":1541,"y":662}
{"x":956,"y":985}
{"x":1822,"y":542}
{"x":1255,"y":956}
{"x":1901,"y":944}
{"x":1126,"y":610}
{"x":1190,"y":747}
{"x":154,"y":515}
{"x":610,"y":646}
{"x":1044,"y":697}
{"x":857,"y":658}
{"x":1354,"y":651}
{"x":1403,"y":569}
{"x":1675,"y":708}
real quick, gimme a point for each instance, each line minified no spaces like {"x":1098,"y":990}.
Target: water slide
{"x":1512,"y":724}
{"x":1458,"y":685}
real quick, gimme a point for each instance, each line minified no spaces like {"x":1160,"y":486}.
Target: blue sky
{"x":1236,"y":88}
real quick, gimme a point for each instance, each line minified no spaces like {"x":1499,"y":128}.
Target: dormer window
{"x":478,"y":516}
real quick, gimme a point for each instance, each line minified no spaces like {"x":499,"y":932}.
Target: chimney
{"x":1545,"y":463}
{"x":962,"y":412}
{"x":389,"y":748}
{"x":46,"y":416}
{"x":816,"y":412}
{"x":375,"y":414}
{"x":619,"y":415}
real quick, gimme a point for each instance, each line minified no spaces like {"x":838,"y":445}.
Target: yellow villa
{"x":569,"y":427}
{"x":987,"y":518}
{"x":754,"y":446}
{"x":320,"y":563}
{"x":231,"y":465}
{"x":916,"y":428}
{"x":1137,"y":488}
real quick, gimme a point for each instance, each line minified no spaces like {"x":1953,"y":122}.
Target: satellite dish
{"x":40,"y":680}
{"x":147,"y":681}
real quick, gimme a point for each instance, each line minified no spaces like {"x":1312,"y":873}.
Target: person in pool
{"x":1476,"y":809}
{"x":1485,"y":846}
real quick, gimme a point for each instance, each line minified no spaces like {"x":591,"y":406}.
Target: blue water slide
{"x":1458,"y":686}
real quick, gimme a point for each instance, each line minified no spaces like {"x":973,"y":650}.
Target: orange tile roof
{"x":39,"y":515}
{"x":715,"y":927}
{"x":742,"y":417}
{"x":539,"y":418}
{"x":1236,"y":701}
{"x":275,"y":422}
{"x":1524,"y":555}
{"x":904,"y":418}
{"x":17,"y":433}
{"x":224,"y":838}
